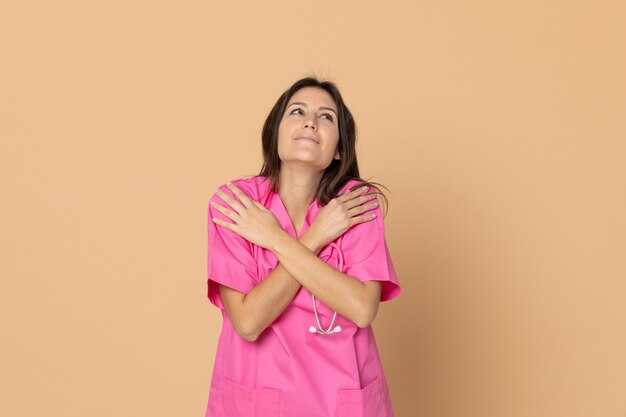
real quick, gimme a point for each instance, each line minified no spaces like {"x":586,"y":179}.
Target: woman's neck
{"x":297,"y":190}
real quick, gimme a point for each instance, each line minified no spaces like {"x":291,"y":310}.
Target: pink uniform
{"x":290,"y":371}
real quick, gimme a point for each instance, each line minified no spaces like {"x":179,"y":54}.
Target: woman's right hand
{"x":341,"y":213}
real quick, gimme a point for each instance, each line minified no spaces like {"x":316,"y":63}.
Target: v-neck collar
{"x":285,"y":220}
{"x":305,"y":223}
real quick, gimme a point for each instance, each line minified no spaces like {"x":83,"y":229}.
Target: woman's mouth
{"x":307,"y":138}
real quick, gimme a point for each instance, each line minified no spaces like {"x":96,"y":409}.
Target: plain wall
{"x":498,"y":128}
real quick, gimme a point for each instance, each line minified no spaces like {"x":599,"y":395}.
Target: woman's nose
{"x":310,"y":124}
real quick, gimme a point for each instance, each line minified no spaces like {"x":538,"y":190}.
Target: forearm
{"x":266,"y":301}
{"x":342,"y":293}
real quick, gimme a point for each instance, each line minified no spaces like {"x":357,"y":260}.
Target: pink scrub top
{"x":289,"y":371}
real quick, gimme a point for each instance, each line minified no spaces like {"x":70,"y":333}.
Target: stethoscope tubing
{"x":337,"y":329}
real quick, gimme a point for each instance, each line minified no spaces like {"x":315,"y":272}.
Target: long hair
{"x":339,"y":172}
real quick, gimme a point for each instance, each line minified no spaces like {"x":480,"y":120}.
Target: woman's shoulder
{"x":351,"y":183}
{"x":249,"y":180}
{"x":251,"y":185}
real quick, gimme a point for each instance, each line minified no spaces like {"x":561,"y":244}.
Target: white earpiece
{"x":337,"y":329}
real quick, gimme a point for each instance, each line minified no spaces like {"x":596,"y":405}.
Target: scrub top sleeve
{"x":229,"y":256}
{"x":367,"y":257}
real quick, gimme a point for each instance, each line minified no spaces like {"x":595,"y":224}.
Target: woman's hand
{"x":341,"y":213}
{"x":253,"y":221}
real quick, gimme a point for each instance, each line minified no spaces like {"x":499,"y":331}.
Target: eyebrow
{"x":321,"y":107}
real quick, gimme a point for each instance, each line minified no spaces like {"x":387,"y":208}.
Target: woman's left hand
{"x":252,"y":220}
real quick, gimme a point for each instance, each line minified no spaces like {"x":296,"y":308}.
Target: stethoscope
{"x":337,"y":329}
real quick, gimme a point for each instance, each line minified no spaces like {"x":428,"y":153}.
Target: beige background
{"x":497,"y":126}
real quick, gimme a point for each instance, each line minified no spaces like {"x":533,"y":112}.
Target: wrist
{"x":311,"y":242}
{"x":308,"y":240}
{"x":280,"y":242}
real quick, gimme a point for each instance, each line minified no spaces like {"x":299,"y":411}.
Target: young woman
{"x":298,"y":263}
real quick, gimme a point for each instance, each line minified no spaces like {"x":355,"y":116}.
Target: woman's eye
{"x":329,"y":117}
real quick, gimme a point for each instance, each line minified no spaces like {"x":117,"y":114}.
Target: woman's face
{"x":309,"y":129}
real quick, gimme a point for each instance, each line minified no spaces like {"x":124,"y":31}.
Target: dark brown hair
{"x":339,"y":172}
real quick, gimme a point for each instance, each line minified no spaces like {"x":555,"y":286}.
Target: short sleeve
{"x":367,"y":257}
{"x":229,"y":256}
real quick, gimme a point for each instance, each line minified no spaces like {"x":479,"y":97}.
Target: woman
{"x":298,"y":263}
